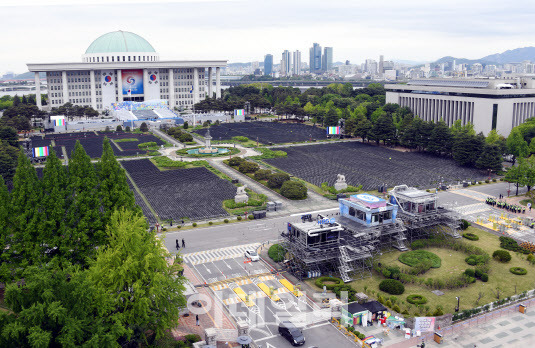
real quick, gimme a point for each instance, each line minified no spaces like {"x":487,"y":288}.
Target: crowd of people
{"x":513,"y":208}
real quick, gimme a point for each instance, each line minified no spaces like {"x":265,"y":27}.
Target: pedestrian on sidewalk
{"x":177,"y":246}
{"x":197,"y":319}
{"x":183,"y":243}
{"x":529,"y":206}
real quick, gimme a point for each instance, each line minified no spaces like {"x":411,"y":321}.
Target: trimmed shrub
{"x":465,"y":224}
{"x":248,"y":167}
{"x":511,"y":244}
{"x":438,"y":312}
{"x":470,"y":236}
{"x":210,"y":223}
{"x":144,"y":127}
{"x":415,"y":257}
{"x":239,"y":218}
{"x":235,"y":161}
{"x":518,"y":270}
{"x":145,"y":145}
{"x":276,"y":252}
{"x":277,"y":179}
{"x":250,"y":217}
{"x":474,"y":260}
{"x":194,"y":224}
{"x":501,"y":255}
{"x":192,"y":338}
{"x":484,"y":277}
{"x":320,"y":282}
{"x":416,"y":299}
{"x":262,"y":174}
{"x":392,"y":286}
{"x":119,"y":128}
{"x":477,"y":273}
{"x":240,"y":138}
{"x":226,"y":221}
{"x":396,"y":309}
{"x":294,"y":190}
{"x":127,"y":129}
{"x":470,"y":272}
{"x":185,"y":137}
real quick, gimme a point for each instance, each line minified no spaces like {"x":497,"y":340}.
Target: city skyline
{"x":196,"y":30}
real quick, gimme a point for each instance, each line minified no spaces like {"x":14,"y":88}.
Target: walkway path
{"x":167,"y":138}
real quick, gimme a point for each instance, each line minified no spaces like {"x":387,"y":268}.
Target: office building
{"x":296,"y":67}
{"x":381,"y":64}
{"x":286,"y":62}
{"x":327,"y":61}
{"x":315,"y":59}
{"x":122,"y":66}
{"x":488,"y":104}
{"x":268,"y":64}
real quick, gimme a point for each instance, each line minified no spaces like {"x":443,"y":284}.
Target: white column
{"x":119,"y":85}
{"x":146,"y":95}
{"x":210,"y":83}
{"x":93,"y":90}
{"x":218,"y":82}
{"x":195,"y":85}
{"x":171,"y":89}
{"x":65,"y":86}
{"x":38,"y":90}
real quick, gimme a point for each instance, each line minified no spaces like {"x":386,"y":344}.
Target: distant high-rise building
{"x":286,"y":62}
{"x":268,"y":64}
{"x":315,"y":58}
{"x":381,"y":64}
{"x":327,"y":63}
{"x":296,"y":68}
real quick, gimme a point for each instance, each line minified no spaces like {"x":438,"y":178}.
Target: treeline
{"x":521,"y":147}
{"x":9,"y":151}
{"x":79,"y":265}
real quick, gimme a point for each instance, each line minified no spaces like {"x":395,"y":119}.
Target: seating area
{"x":370,"y":166}
{"x":144,"y":114}
{"x":141,"y":203}
{"x":92,"y":142}
{"x":124,"y":115}
{"x":266,"y":132}
{"x":195,"y":193}
{"x":165,"y":113}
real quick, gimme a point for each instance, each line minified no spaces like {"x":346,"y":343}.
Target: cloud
{"x":61,"y":30}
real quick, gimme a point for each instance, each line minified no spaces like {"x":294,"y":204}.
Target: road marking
{"x":314,"y":212}
{"x":207,"y":268}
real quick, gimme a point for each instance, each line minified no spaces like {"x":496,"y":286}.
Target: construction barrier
{"x":290,"y":287}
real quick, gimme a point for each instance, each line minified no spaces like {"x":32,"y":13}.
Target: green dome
{"x":119,"y":41}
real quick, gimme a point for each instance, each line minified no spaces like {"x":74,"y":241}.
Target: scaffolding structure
{"x":421,"y":214}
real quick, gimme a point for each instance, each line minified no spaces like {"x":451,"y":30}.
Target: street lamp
{"x":458,"y":301}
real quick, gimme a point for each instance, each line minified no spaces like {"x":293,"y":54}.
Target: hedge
{"x":392,"y":286}
{"x":277,"y":179}
{"x":518,"y":270}
{"x":465,"y":224}
{"x":470,"y":236}
{"x":294,"y":190}
{"x":416,"y":299}
{"x":262,"y":174}
{"x":320,"y":282}
{"x":276,"y":252}
{"x":502,"y":255}
{"x":416,"y":257}
{"x":235,"y":161}
{"x":145,"y":145}
{"x":511,"y":244}
{"x":248,"y":167}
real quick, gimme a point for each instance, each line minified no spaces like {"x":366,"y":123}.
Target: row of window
{"x":106,"y":59}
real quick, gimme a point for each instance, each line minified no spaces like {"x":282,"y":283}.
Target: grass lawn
{"x":452,"y":264}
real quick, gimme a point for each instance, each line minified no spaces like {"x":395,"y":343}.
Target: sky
{"x":39,"y":31}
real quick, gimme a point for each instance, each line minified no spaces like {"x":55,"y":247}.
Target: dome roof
{"x":119,"y":41}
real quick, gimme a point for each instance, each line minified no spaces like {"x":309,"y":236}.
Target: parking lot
{"x":252,"y":293}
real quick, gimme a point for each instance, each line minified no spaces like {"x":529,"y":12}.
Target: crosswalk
{"x":476,"y":208}
{"x":218,"y":254}
{"x":219,"y":287}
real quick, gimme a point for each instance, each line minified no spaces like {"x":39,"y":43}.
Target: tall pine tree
{"x":440,"y":142}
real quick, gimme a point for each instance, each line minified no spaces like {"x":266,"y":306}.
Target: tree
{"x":364,"y":129}
{"x":516,"y":145}
{"x":144,"y":127}
{"x":467,"y":148}
{"x":4,"y":231}
{"x":186,"y":125}
{"x":515,"y":175}
{"x":384,"y":129}
{"x":490,"y":159}
{"x":276,"y":180}
{"x":440,"y":141}
{"x":144,"y":290}
{"x":293,"y":190}
{"x":350,"y":126}
{"x":8,"y":159}
{"x":331,"y":118}
{"x":10,"y":136}
{"x":528,"y":172}
{"x":119,"y":128}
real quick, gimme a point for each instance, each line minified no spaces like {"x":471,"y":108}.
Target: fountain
{"x":207,"y":149}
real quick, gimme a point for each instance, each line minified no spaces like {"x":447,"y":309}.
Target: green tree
{"x":331,"y":118}
{"x":384,"y":129}
{"x":8,"y":159}
{"x":293,"y":190}
{"x":4,"y":231}
{"x":364,"y":129}
{"x":9,"y":136}
{"x":440,"y":141}
{"x":350,"y":126}
{"x":144,"y":127}
{"x":113,"y":189}
{"x":515,"y":175}
{"x":516,"y":145}
{"x":527,"y":168}
{"x":490,"y":159}
{"x":132,"y":271}
{"x":467,"y":148}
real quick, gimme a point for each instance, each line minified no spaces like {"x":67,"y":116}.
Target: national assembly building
{"x":121,"y":66}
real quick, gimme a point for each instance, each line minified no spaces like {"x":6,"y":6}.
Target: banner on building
{"x":424,"y":324}
{"x":333,"y":130}
{"x":58,"y":120}
{"x":108,"y":88}
{"x":132,"y":82}
{"x":40,"y":151}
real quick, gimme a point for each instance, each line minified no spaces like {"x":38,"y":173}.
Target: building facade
{"x":296,"y":67}
{"x":315,"y":59}
{"x":327,"y":60}
{"x":122,"y":66}
{"x":486,"y":103}
{"x":286,"y":62}
{"x":268,"y":64}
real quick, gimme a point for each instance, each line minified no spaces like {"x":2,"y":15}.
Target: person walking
{"x":183,"y":243}
{"x":197,"y":319}
{"x":177,"y":246}
{"x":529,"y":206}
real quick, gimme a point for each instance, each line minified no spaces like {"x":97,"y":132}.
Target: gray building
{"x":286,"y":62}
{"x":268,"y":64}
{"x":327,"y":60}
{"x":488,"y":104}
{"x":315,"y":59}
{"x":296,"y":67}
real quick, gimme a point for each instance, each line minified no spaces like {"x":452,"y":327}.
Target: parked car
{"x":289,"y":331}
{"x":252,"y":255}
